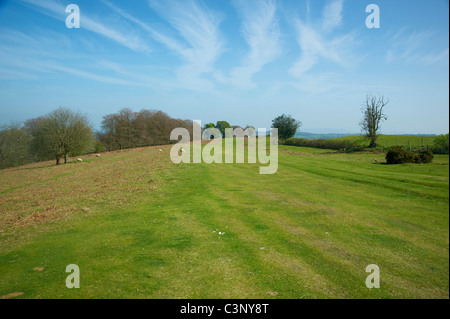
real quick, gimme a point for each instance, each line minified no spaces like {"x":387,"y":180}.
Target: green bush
{"x":441,"y":144}
{"x":426,"y":156}
{"x":399,"y":155}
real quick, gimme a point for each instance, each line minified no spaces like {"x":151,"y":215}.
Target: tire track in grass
{"x":210,"y":213}
{"x":258,"y":224}
{"x":239,"y":248}
{"x":387,"y":175}
{"x":396,"y":207}
{"x":203,"y":271}
{"x":256,"y":231}
{"x":319,"y":171}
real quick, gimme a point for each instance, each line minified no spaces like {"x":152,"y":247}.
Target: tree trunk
{"x":65,"y":158}
{"x":57,"y":161}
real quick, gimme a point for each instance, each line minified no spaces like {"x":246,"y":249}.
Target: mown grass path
{"x":139,"y":226}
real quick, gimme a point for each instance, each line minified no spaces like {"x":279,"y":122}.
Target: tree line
{"x":128,"y":129}
{"x":63,"y":133}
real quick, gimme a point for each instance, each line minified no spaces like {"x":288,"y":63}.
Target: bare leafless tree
{"x":373,"y":116}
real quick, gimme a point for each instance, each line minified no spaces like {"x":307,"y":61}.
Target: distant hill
{"x":326,"y":136}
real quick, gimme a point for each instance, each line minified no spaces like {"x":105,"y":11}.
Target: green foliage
{"x":209,"y":125}
{"x":222,"y":125}
{"x":441,"y":144}
{"x":332,"y":144}
{"x":128,"y":129}
{"x":287,"y":126}
{"x":399,"y":155}
{"x":250,"y":129}
{"x":14,"y":146}
{"x":98,"y":147}
{"x":413,"y":142}
{"x":62,"y":133}
{"x":426,"y":156}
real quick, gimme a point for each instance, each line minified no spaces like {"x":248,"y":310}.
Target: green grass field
{"x":384,"y":141}
{"x":139,"y":226}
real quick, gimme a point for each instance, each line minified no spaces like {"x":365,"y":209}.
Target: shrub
{"x":426,"y":156}
{"x":399,"y":155}
{"x":441,"y":144}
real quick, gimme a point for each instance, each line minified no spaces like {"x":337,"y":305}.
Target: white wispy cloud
{"x":32,"y":67}
{"x":91,"y":75}
{"x":315,"y":47}
{"x":170,"y":43}
{"x":30,"y":55}
{"x":34,"y":51}
{"x":200,"y":44}
{"x":138,"y":74}
{"x":12,"y":74}
{"x":332,"y":15}
{"x":317,"y":43}
{"x":414,"y":47}
{"x":56,"y":10}
{"x":261,"y":31}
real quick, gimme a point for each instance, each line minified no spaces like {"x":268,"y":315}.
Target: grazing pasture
{"x":139,"y":226}
{"x":385,"y":141}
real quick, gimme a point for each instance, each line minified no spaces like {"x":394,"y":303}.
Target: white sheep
{"x":79,"y":160}
{"x":160,"y":150}
{"x":97,"y":155}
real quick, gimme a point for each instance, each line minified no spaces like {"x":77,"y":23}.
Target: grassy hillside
{"x":139,"y":226}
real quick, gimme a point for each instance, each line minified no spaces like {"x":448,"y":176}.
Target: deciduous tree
{"x":287,"y":126}
{"x":62,"y":133}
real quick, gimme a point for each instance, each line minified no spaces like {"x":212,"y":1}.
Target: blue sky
{"x":242,"y":61}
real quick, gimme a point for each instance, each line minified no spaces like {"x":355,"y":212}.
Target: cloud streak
{"x":261,"y":31}
{"x":332,"y":15}
{"x":315,"y":44}
{"x":57,"y":11}
{"x":198,"y":43}
{"x":413,"y":48}
{"x":201,"y":43}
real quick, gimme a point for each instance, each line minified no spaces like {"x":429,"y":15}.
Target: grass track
{"x":139,"y":226}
